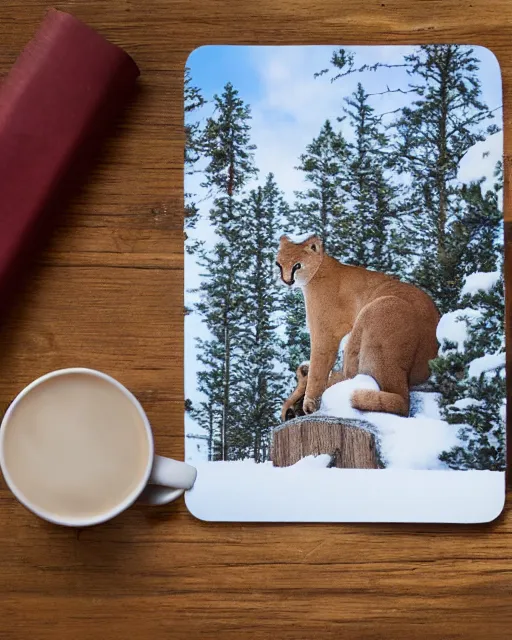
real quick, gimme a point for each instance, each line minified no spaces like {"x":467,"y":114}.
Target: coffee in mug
{"x":76,"y":448}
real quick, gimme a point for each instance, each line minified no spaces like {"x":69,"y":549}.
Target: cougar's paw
{"x":310,"y":405}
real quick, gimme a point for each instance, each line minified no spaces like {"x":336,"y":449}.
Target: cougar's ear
{"x":315,"y":245}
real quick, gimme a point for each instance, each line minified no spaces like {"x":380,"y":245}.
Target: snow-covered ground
{"x":309,"y":492}
{"x":415,"y":486}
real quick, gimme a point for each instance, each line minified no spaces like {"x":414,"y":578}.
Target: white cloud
{"x":293,"y":104}
{"x":292,"y":108}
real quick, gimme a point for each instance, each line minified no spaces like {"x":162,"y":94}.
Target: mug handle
{"x":169,"y":479}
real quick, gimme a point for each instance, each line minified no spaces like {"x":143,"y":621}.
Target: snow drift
{"x":244,"y":491}
{"x":403,"y":443}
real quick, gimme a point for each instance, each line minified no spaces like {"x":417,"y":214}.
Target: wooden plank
{"x":108,"y":293}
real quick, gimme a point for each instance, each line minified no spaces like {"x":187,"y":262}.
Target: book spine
{"x":60,"y":95}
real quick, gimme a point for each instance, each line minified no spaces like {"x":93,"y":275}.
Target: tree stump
{"x":350,"y":444}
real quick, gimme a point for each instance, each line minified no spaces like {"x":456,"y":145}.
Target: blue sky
{"x":289,"y":106}
{"x":214,"y":65}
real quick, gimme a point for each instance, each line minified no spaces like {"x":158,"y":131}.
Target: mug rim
{"x":77,"y":521}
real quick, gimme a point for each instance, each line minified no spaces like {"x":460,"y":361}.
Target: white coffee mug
{"x":164,"y":479}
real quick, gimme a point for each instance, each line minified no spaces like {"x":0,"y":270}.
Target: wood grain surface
{"x":107,"y":293}
{"x":351,"y":444}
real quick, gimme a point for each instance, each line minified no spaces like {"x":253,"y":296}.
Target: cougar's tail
{"x":369,"y":400}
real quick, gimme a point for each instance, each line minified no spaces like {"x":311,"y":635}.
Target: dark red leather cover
{"x":65,"y":86}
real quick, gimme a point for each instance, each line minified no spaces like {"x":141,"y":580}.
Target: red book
{"x":63,"y":90}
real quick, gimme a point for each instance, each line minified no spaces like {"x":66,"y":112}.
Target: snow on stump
{"x":349,"y":443}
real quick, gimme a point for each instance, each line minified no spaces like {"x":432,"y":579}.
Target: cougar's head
{"x":298,"y":261}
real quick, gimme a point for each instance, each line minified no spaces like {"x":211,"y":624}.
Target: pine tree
{"x":481,"y":225}
{"x":373,"y":208}
{"x":320,"y":209}
{"x":207,"y":413}
{"x":297,"y":341}
{"x":351,"y":203}
{"x":229,"y":157}
{"x":260,"y":395}
{"x":447,"y":117}
{"x":227,"y":144}
{"x":194,"y":100}
{"x":477,"y":401}
{"x":221,"y":308}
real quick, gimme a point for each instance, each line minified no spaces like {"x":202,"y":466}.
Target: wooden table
{"x":107,"y":293}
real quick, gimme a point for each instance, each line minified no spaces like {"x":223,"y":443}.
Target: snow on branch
{"x":453,"y":326}
{"x":479,"y":281}
{"x":489,"y":362}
